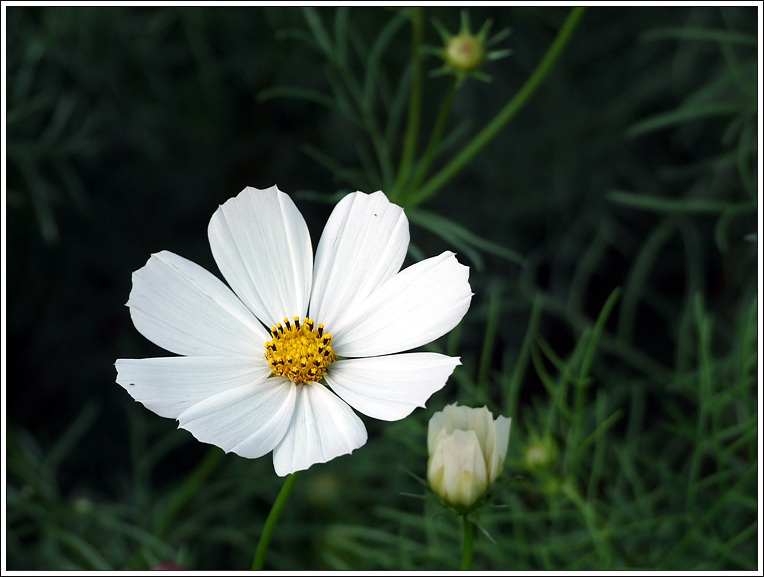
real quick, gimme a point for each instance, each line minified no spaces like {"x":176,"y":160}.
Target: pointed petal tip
{"x":282,"y":471}
{"x":435,"y":290}
{"x":254,"y":190}
{"x":323,"y":427}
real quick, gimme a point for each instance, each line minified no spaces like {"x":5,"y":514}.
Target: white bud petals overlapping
{"x":222,"y":388}
{"x":467,"y":448}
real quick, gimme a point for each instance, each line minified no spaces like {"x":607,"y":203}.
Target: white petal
{"x":456,"y":469}
{"x":323,"y":427}
{"x":249,"y":420}
{"x":187,"y":310}
{"x":416,"y":306}
{"x":465,"y":474}
{"x":362,"y":246}
{"x":435,"y":428}
{"x":391,"y":387}
{"x":262,"y":246}
{"x":496,"y":458}
{"x":480,"y":420}
{"x":170,"y":385}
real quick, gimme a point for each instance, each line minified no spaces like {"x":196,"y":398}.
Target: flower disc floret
{"x":299,"y":352}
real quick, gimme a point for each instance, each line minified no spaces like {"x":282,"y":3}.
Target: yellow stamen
{"x":299,"y":352}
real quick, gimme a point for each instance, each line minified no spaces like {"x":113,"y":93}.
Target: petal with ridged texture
{"x":323,"y":427}
{"x":456,"y":469}
{"x":390,"y":387}
{"x":170,"y":385}
{"x":249,"y":420}
{"x":187,"y":310}
{"x":415,"y":307}
{"x":465,"y":467}
{"x":363,"y":245}
{"x":262,"y":246}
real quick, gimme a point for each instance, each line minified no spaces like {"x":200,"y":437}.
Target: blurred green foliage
{"x":610,"y":230}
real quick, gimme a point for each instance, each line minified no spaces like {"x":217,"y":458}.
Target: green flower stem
{"x":469,"y":532}
{"x":272,"y":519}
{"x":180,"y":499}
{"x":505,"y":115}
{"x":435,"y":137}
{"x":601,"y":543}
{"x":415,"y":101}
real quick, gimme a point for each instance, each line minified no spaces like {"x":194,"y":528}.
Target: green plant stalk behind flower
{"x":272,"y":520}
{"x":415,"y":101}
{"x":506,"y":114}
{"x":469,"y":533}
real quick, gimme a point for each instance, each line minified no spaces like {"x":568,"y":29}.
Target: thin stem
{"x":506,"y":114}
{"x":489,"y":342}
{"x":182,"y":496}
{"x":190,"y":487}
{"x":380,"y":147}
{"x":469,"y":531}
{"x":272,"y":519}
{"x":590,"y":518}
{"x":415,"y":102}
{"x":435,"y":137}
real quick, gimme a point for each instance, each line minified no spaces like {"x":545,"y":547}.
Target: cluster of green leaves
{"x":139,"y":529}
{"x":360,"y":93}
{"x":617,"y":325}
{"x":49,"y":131}
{"x":373,"y":100}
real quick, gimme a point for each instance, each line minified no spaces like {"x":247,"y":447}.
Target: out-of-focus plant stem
{"x":505,"y":115}
{"x":415,"y":102}
{"x":435,"y":137}
{"x":469,"y":531}
{"x":273,"y":518}
{"x":190,"y":487}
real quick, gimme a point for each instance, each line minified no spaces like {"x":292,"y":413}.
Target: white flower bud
{"x":467,"y":449}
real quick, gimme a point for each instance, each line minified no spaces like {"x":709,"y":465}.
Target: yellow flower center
{"x":299,"y":352}
{"x":464,"y":52}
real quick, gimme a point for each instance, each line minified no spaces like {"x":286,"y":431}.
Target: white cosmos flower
{"x":351,"y":314}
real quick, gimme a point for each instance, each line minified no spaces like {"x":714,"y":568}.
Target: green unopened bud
{"x":540,"y":455}
{"x":552,"y":486}
{"x":83,"y":506}
{"x":464,"y":52}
